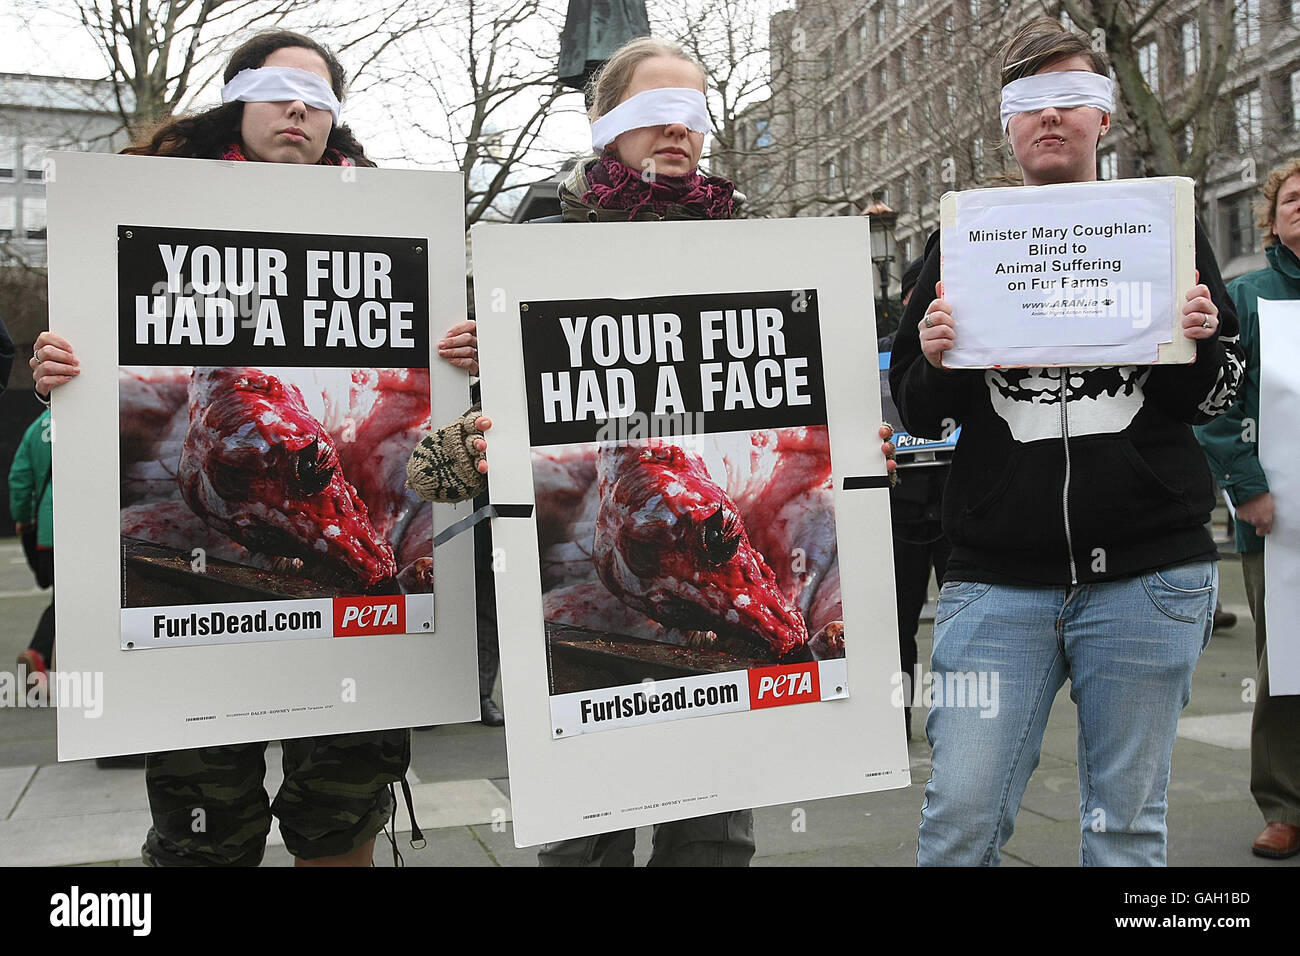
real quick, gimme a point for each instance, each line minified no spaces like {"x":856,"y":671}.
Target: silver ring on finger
{"x":929,"y":321}
{"x":1206,"y":323}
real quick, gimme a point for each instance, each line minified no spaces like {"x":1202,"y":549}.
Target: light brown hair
{"x":1266,"y":205}
{"x":1041,"y":42}
{"x":609,"y":85}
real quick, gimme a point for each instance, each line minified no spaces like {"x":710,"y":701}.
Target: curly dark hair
{"x":206,"y":135}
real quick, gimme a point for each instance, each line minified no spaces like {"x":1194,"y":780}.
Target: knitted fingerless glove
{"x":444,"y":465}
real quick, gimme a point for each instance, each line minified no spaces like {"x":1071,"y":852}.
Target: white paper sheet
{"x":1279,"y":453}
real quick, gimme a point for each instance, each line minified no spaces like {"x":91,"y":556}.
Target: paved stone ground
{"x":76,"y":813}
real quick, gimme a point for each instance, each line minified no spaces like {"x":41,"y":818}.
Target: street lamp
{"x":883,"y":246}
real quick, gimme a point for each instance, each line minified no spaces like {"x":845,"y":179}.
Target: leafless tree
{"x":1173,"y":132}
{"x":478,"y":92}
{"x":160,"y":52}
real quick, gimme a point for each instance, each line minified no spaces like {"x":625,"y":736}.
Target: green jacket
{"x":1230,"y":441}
{"x":29,"y":477}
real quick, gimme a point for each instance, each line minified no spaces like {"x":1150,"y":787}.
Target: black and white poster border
{"x":640,"y":775}
{"x":194,"y":696}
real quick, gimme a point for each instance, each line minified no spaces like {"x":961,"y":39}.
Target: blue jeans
{"x":1128,"y":648}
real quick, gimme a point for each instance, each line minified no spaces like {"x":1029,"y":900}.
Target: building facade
{"x":899,"y":99}
{"x":40,"y":113}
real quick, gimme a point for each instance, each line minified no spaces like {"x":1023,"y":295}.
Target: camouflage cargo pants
{"x":210,"y":808}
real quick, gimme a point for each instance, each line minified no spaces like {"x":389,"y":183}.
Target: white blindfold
{"x":282,"y":84}
{"x":652,"y":108}
{"x":1062,"y":90}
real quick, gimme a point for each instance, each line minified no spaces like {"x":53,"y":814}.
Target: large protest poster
{"x":1069,"y":274}
{"x":256,"y":373}
{"x":696,"y":445}
{"x":1279,"y":454}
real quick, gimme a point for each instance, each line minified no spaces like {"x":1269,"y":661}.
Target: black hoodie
{"x":1109,"y":484}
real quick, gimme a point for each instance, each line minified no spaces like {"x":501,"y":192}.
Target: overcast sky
{"x":36,"y":40}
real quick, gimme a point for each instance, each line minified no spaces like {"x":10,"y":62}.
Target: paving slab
{"x":1220,"y":834}
{"x":13,"y":781}
{"x":82,"y":790}
{"x":88,"y":838}
{"x":1230,"y":731}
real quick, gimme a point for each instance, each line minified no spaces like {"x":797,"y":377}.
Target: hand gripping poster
{"x":255,"y":379}
{"x":680,"y":576}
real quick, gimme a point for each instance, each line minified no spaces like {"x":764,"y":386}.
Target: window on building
{"x":832,"y":176}
{"x":33,"y":154}
{"x":880,"y":22}
{"x":828,"y":62}
{"x":1108,"y":165}
{"x":974,"y":16}
{"x":1246,"y":20}
{"x":951,"y":94}
{"x":924,"y":178}
{"x":884,"y":144}
{"x":882,"y":80}
{"x":830,"y":119}
{"x":34,"y":217}
{"x":1249,"y":108}
{"x":904,"y":125}
{"x":977,"y":158}
{"x":842,"y":48}
{"x":1190,"y":36}
{"x":863,"y":98}
{"x":1183,"y":142}
{"x":1293,"y":88}
{"x":1283,"y":103}
{"x":1240,"y":225}
{"x":905,"y":190}
{"x":8,"y":157}
{"x":8,"y":216}
{"x":900,"y":67}
{"x":863,"y":40}
{"x":762,"y":133}
{"x":949,"y":31}
{"x":924,"y":42}
{"x":1149,"y":65}
{"x":1286,"y":11}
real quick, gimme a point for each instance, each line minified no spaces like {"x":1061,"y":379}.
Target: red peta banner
{"x":369,"y":615}
{"x":791,"y":684}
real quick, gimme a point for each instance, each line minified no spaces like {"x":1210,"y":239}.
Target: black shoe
{"x":1224,"y":619}
{"x":490,"y":713}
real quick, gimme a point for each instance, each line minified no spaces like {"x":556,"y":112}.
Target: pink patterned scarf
{"x":612,"y":185}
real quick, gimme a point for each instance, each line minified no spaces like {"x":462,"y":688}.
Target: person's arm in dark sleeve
{"x":6,"y":355}
{"x":1205,"y":389}
{"x":931,"y":401}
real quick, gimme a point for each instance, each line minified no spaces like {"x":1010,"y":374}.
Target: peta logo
{"x":774,"y":686}
{"x":75,"y":908}
{"x":369,"y":615}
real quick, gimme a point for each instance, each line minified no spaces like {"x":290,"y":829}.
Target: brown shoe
{"x":1278,"y":841}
